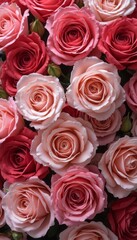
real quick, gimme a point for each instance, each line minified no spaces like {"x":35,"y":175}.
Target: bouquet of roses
{"x":68,"y":119}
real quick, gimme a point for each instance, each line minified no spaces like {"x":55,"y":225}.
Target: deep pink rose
{"x":15,"y":153}
{"x":118,"y":42}
{"x":11,"y":122}
{"x":2,"y":214}
{"x":78,"y":195}
{"x":28,"y":208}
{"x":27,"y":55}
{"x":95,"y":88}
{"x":122,"y":217}
{"x":73,"y":34}
{"x":131,"y":93}
{"x":119,"y":166}
{"x":13,"y":24}
{"x":88,"y":231}
{"x":69,"y":141}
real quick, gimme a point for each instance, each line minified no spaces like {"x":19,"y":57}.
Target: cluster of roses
{"x":68,"y":119}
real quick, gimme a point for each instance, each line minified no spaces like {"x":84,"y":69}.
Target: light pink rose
{"x":107,"y":11}
{"x":13,"y":24}
{"x":134,"y":125}
{"x":73,"y":34}
{"x":119,"y":166}
{"x":69,"y":141}
{"x":40,"y":99}
{"x":2,"y":214}
{"x":11,"y":122}
{"x":88,"y":231}
{"x":78,"y":195}
{"x":27,"y":207}
{"x":95,"y":88}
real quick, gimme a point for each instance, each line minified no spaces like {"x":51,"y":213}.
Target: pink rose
{"x":11,"y":121}
{"x":131,"y":93}
{"x":40,"y":99}
{"x":118,"y":43}
{"x":92,"y":230}
{"x":29,"y":58}
{"x":2,"y":214}
{"x":107,"y":11}
{"x":73,"y":34}
{"x":43,"y":9}
{"x":78,"y":195}
{"x":13,"y":24}
{"x":27,"y":207}
{"x":119,"y":166}
{"x":3,"y":237}
{"x":134,"y":125}
{"x":69,"y":141}
{"x":95,"y":88}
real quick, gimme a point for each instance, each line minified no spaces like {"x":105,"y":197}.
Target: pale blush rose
{"x":66,"y":142}
{"x":28,"y":208}
{"x":13,"y":24}
{"x":73,"y":34}
{"x":119,"y":166}
{"x":107,"y":11}
{"x":11,"y":122}
{"x":39,"y":99}
{"x":2,"y":214}
{"x":131,"y":93}
{"x":88,"y":231}
{"x":78,"y":195}
{"x":134,"y":125}
{"x":95,"y":88}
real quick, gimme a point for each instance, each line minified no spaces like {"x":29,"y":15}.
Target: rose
{"x":86,"y":231}
{"x":43,"y":9}
{"x":3,"y":237}
{"x":13,"y":24}
{"x":77,"y":195}
{"x":95,"y":88}
{"x":118,"y":43}
{"x":27,"y":207}
{"x":40,"y":99}
{"x":29,"y":58}
{"x":69,"y":141}
{"x":15,"y":153}
{"x":131,"y":93}
{"x":73,"y":34}
{"x":119,"y":166}
{"x":134,"y":125}
{"x":123,"y":217}
{"x":11,"y":121}
{"x":2,"y":214}
{"x":107,"y":11}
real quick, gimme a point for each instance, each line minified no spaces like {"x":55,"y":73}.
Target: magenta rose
{"x":86,"y":231}
{"x":78,"y":195}
{"x":13,"y":24}
{"x":118,"y":42}
{"x":28,"y":208}
{"x":131,"y":93}
{"x":122,"y":217}
{"x":15,"y":153}
{"x":73,"y":34}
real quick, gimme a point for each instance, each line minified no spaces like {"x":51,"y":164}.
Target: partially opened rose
{"x":28,"y":208}
{"x":40,"y":99}
{"x":95,"y":88}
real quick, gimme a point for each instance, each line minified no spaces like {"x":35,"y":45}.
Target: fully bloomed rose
{"x":40,"y":99}
{"x":95,"y":88}
{"x":43,"y":9}
{"x":2,"y":214}
{"x":12,"y":23}
{"x":11,"y":122}
{"x":15,"y":153}
{"x":122,"y":217}
{"x":88,"y":231}
{"x":131,"y":93}
{"x":66,"y":142}
{"x":28,"y":208}
{"x":118,"y":42}
{"x":77,"y":195}
{"x":27,"y":55}
{"x":119,"y":166}
{"x":73,"y":34}
{"x":107,"y":11}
